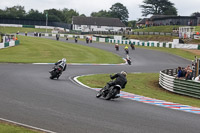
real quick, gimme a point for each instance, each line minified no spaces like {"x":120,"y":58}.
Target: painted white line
{"x":76,"y":80}
{"x":42,"y":63}
{"x":26,"y":126}
{"x":80,"y":64}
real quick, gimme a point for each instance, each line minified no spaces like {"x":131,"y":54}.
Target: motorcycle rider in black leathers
{"x":62,"y":64}
{"x":120,"y":79}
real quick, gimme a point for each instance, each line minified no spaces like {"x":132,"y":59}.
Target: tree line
{"x":117,"y":10}
{"x":18,"y":12}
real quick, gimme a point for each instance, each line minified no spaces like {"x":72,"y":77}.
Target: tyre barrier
{"x":168,"y":81}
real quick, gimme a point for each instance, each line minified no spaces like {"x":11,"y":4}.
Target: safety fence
{"x":9,"y":44}
{"x":131,"y":41}
{"x":168,"y":81}
{"x":131,"y":33}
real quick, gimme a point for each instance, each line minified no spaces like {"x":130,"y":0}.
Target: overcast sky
{"x":184,"y":7}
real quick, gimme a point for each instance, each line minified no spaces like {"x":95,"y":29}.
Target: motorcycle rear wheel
{"x":111,"y":94}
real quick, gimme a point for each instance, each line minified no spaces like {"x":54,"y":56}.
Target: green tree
{"x":68,"y":14}
{"x":132,"y":24}
{"x":83,"y":15}
{"x":118,"y":10}
{"x":158,"y":7}
{"x":35,"y":14}
{"x":101,"y":13}
{"x":196,"y":14}
{"x":2,"y":13}
{"x":15,"y":12}
{"x":55,"y":15}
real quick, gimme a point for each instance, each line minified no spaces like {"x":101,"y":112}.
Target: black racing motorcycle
{"x":76,"y":40}
{"x":109,"y":93}
{"x":126,"y":51}
{"x":128,"y":60}
{"x":56,"y":72}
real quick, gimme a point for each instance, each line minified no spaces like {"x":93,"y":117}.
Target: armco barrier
{"x":187,"y":87}
{"x":168,"y":81}
{"x":136,"y":42}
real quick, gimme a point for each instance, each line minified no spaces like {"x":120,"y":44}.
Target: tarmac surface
{"x":28,"y":96}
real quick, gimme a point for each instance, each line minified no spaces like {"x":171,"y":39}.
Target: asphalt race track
{"x":28,"y":96}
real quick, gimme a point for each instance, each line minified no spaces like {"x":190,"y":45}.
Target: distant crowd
{"x":187,"y":74}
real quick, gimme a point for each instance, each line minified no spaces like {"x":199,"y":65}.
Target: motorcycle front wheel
{"x":98,"y":95}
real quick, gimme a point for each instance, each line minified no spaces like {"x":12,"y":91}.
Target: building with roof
{"x":173,"y":20}
{"x":141,"y":22}
{"x":86,"y":24}
{"x":157,"y":20}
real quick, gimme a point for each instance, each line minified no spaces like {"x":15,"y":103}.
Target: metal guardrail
{"x":133,"y":33}
{"x":168,"y":81}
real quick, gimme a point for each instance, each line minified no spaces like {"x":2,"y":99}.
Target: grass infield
{"x":145,"y":84}
{"x":40,"y":50}
{"x":21,"y":30}
{"x":11,"y":128}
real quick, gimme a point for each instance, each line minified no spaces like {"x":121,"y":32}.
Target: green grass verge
{"x":167,"y":28}
{"x":145,"y":84}
{"x":21,"y":30}
{"x":40,"y":50}
{"x":8,"y":128}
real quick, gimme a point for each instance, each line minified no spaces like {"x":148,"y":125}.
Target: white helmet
{"x":124,"y":73}
{"x":64,"y":60}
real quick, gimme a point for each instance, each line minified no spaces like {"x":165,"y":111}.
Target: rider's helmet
{"x":124,"y":73}
{"x":64,"y":60}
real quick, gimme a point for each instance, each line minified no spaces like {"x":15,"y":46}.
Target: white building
{"x":86,"y":24}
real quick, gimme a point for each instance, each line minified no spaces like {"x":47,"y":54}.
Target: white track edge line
{"x":26,"y":126}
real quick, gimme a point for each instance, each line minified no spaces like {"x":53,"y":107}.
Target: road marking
{"x":26,"y":126}
{"x":87,"y":64}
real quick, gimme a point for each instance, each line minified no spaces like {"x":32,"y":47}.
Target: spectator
{"x":188,"y":75}
{"x":197,"y":78}
{"x":180,"y":73}
{"x":90,"y":39}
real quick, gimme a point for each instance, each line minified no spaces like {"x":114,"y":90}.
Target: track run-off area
{"x":28,"y":96}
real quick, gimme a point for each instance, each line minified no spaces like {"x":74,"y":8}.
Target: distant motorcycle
{"x":132,"y":47}
{"x":126,"y":51}
{"x":117,"y":47}
{"x":76,"y":40}
{"x":109,"y":93}
{"x":56,"y":72}
{"x":128,"y":60}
